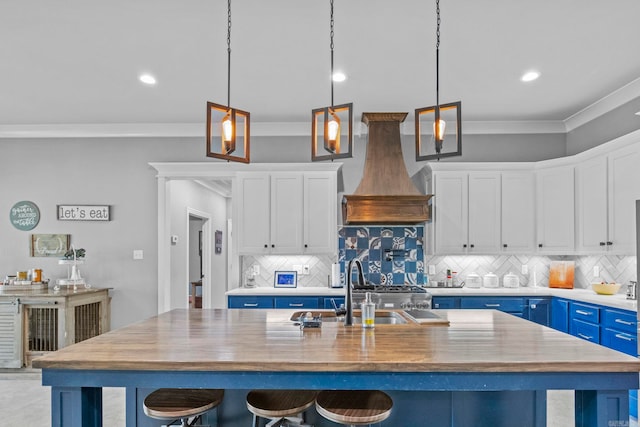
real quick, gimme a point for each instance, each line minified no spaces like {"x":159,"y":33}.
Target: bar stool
{"x":354,"y":407}
{"x":181,"y":404}
{"x":281,"y":407}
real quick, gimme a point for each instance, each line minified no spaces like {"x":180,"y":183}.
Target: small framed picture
{"x":285,"y":279}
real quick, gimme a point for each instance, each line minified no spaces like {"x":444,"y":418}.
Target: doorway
{"x":198,"y":258}
{"x":196,"y":273}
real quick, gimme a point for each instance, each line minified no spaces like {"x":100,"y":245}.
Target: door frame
{"x":206,"y":255}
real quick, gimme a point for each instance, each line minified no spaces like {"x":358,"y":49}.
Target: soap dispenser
{"x":368,"y":312}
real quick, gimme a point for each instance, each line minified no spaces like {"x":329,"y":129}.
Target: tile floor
{"x":22,"y":393}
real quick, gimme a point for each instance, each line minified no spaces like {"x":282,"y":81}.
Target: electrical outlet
{"x":305,"y":269}
{"x":596,"y":271}
{"x":525,"y":269}
{"x":256,"y":269}
{"x":432,"y":269}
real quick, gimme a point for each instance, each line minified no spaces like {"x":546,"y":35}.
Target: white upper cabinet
{"x":555,"y":210}
{"x":518,"y":212}
{"x":466,"y":212}
{"x":286,"y":212}
{"x":320,"y":213}
{"x":253,"y":201}
{"x":606,"y":190}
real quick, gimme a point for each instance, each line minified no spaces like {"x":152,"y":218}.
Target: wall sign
{"x":50,"y":245}
{"x":84,"y":212}
{"x":24,"y":215}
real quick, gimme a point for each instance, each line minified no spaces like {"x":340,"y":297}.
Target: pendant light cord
{"x":331,"y":46}
{"x":437,"y":59}
{"x":228,"y":53}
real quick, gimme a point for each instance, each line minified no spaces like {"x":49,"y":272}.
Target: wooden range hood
{"x":386,"y":194}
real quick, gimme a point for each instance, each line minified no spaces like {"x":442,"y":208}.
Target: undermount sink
{"x":383,"y":317}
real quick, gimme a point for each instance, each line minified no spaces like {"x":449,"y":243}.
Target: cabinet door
{"x":445,"y":302}
{"x":484,"y":212}
{"x":250,"y":302}
{"x":539,"y":310}
{"x":624,"y":190}
{"x":517,"y":200}
{"x":592,"y":205}
{"x":252,"y":214}
{"x":297,"y":302}
{"x":555,"y":210}
{"x":320,"y":219}
{"x":286,"y":213}
{"x":450,"y":213}
{"x":560,"y":314}
{"x":10,"y":334}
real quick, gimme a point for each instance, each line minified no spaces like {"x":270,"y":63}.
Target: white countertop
{"x":585,"y":295}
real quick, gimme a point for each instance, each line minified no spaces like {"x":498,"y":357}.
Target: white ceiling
{"x":77,"y":61}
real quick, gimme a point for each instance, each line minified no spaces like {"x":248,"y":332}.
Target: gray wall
{"x":116,"y":172}
{"x":618,"y":122}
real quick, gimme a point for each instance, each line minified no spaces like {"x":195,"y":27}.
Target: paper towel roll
{"x":335,"y":276}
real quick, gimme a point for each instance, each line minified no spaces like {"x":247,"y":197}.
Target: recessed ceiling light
{"x":339,"y":77}
{"x":147,"y":79}
{"x":530,"y":76}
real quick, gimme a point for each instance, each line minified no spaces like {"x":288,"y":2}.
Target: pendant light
{"x":329,"y":124}
{"x":228,"y":128}
{"x":430,"y":121}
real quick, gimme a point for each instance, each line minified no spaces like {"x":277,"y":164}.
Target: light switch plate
{"x":596,"y":271}
{"x":525,"y":269}
{"x":305,"y":269}
{"x":138,"y":254}
{"x":432,"y":269}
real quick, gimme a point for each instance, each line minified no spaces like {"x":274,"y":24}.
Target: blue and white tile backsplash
{"x":389,"y":255}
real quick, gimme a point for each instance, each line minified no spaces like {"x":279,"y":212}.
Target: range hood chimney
{"x":386,"y":194}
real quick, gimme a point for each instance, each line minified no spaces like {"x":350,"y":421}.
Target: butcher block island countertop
{"x":248,"y":340}
{"x":481,"y":350}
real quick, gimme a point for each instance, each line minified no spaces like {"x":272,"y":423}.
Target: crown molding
{"x":197,"y":130}
{"x":604,"y":105}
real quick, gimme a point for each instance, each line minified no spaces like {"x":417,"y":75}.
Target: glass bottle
{"x":368,"y":312}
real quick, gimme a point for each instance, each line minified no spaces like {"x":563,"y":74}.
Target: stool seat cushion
{"x":279,"y":403}
{"x":354,"y":406}
{"x":169,"y":403}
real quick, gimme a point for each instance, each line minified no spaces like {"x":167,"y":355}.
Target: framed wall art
{"x":50,"y":245}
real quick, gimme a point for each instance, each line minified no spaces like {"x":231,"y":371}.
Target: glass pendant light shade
{"x":443,"y":140}
{"x":227,"y":133}
{"x":330,"y":127}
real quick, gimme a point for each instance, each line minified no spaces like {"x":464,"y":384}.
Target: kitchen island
{"x":486,"y":368}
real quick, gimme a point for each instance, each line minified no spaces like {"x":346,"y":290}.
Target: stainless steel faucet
{"x":348,"y":319}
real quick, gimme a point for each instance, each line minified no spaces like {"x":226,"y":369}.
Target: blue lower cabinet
{"x":539,"y":310}
{"x":514,"y":305}
{"x":621,"y":341}
{"x":585,"y":330}
{"x":250,"y":302}
{"x":560,"y":314}
{"x":447,"y":303}
{"x":297,"y":302}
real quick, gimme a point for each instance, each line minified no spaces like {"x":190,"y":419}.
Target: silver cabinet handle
{"x":586,"y":337}
{"x":584,"y":313}
{"x":492,"y":305}
{"x":623,"y":322}
{"x":623,"y":337}
{"x":295,"y":305}
{"x":255,"y":304}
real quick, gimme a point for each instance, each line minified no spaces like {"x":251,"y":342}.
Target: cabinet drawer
{"x":510,"y":305}
{"x":621,"y":341}
{"x":297,"y":302}
{"x":620,"y":320}
{"x":585,"y":312}
{"x":586,"y":331}
{"x":250,"y":302}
